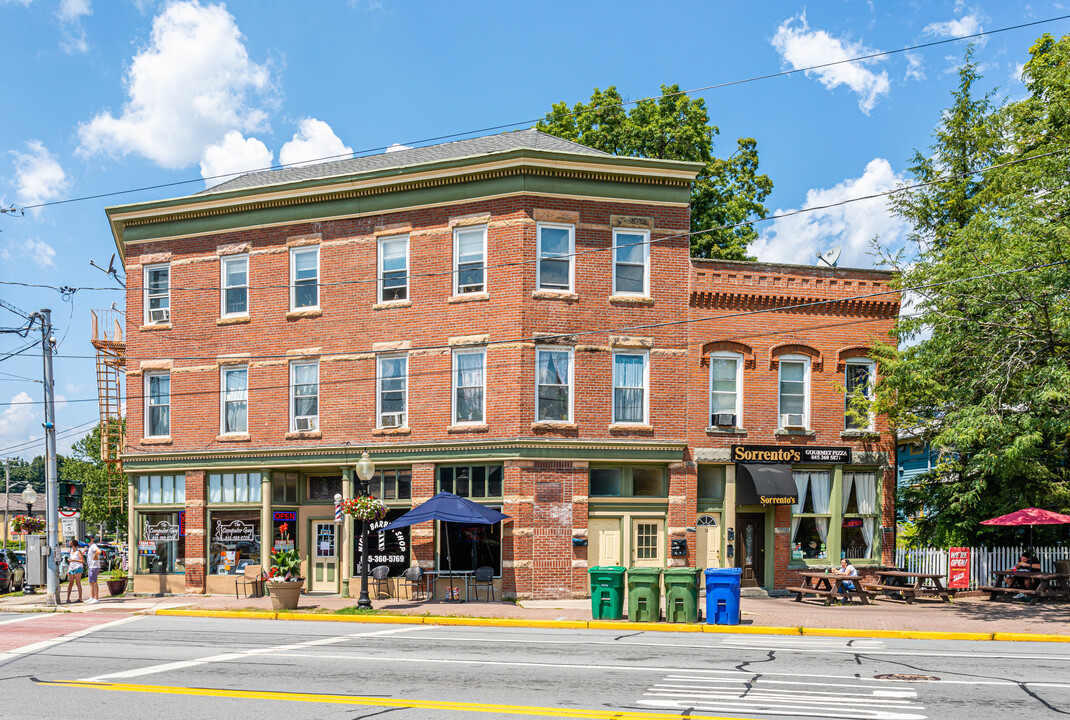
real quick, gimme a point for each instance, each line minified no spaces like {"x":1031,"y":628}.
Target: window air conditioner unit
{"x":304,"y":424}
{"x":159,"y":315}
{"x":723,"y":419}
{"x":792,"y":420}
{"x":393,"y":420}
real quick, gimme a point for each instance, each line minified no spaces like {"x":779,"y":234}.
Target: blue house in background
{"x":913,"y":457}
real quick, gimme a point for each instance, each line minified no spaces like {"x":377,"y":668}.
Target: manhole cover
{"x":907,"y":678}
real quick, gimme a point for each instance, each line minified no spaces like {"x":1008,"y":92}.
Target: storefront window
{"x":234,"y":487}
{"x":324,"y":487}
{"x":283,"y":530}
{"x":711,"y":480}
{"x":629,"y":481}
{"x":392,"y":484}
{"x":161,"y":543}
{"x":161,"y":489}
{"x":810,"y":516}
{"x":284,"y":488}
{"x":390,"y":548}
{"x":471,"y":481}
{"x":467,"y":547}
{"x":235,"y":541}
{"x":860,"y":514}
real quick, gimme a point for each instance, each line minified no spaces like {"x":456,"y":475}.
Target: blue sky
{"x":107,"y":97}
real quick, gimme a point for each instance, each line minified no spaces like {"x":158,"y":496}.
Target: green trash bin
{"x":607,"y":592}
{"x":644,"y":594}
{"x":681,"y":595}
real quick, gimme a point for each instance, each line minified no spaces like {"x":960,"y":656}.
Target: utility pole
{"x":7,"y":497}
{"x":51,"y":479}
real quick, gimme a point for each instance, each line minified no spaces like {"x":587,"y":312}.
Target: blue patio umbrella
{"x":448,"y":507}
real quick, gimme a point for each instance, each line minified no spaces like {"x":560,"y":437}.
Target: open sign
{"x":852,"y":523}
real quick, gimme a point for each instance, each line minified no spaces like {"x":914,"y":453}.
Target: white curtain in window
{"x":821,"y":489}
{"x":866,"y":492}
{"x":845,"y":491}
{"x":469,"y":387}
{"x":628,"y":388}
{"x":802,"y":485}
{"x":869,"y":525}
{"x":236,"y":400}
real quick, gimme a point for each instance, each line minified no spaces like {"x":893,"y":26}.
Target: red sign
{"x":852,"y":522}
{"x":958,"y":571}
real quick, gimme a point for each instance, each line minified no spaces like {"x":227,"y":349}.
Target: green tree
{"x":675,"y":127}
{"x":984,"y":373}
{"x":85,"y":466}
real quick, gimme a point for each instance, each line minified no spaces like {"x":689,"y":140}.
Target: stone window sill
{"x":304,"y":313}
{"x":631,"y":300}
{"x":304,"y":435}
{"x":860,"y":435}
{"x":631,"y":427}
{"x":554,"y":426}
{"x":155,"y":326}
{"x":469,"y":297}
{"x":392,"y":431}
{"x":561,"y":295}
{"x":236,"y":320}
{"x":233,"y":437}
{"x":156,"y":440}
{"x":392,"y":304}
{"x":473,"y":428}
{"x":718,"y":430}
{"x":785,"y":432}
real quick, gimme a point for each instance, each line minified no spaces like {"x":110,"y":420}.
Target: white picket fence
{"x":982,"y":560}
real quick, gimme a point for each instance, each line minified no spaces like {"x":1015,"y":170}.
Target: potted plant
{"x":116,"y":582}
{"x":284,"y":581}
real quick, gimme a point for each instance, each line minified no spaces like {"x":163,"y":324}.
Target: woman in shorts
{"x":77,"y":567}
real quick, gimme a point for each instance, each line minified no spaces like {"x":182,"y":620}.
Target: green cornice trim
{"x":534,"y":449}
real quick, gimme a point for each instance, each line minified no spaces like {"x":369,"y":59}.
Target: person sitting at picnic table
{"x":1028,"y":562}
{"x":846,"y":568}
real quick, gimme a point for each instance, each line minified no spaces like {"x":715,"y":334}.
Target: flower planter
{"x":116,"y":587}
{"x":286,"y":594}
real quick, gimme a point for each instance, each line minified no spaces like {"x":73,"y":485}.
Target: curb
{"x":620,"y":625}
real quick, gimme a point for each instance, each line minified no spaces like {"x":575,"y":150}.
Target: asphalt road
{"x":171,"y":667}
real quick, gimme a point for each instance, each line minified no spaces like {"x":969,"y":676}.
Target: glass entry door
{"x":750,"y":548}
{"x":324,"y":557}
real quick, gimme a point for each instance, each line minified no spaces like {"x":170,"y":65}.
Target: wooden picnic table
{"x":830,"y":586}
{"x":1013,"y":582}
{"x":899,"y":581}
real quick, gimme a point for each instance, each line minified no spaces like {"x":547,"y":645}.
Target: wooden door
{"x":324,"y":557}
{"x":750,"y":548}
{"x":603,"y":542}
{"x":647,"y":542}
{"x":708,"y":542}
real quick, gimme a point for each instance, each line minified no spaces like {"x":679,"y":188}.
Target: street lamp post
{"x":29,"y":496}
{"x":365,"y":470}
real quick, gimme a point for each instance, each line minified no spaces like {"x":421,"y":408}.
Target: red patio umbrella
{"x":1030,"y":516}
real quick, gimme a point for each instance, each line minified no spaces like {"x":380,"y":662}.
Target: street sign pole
{"x":51,"y":479}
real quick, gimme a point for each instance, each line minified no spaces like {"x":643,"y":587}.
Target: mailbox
{"x":679,"y":547}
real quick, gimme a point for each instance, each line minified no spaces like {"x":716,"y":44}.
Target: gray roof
{"x":514,"y":140}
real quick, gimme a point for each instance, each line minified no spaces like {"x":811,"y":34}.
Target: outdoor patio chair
{"x":379,"y":577}
{"x":413,"y":579}
{"x":484,"y":576}
{"x":252,"y":577}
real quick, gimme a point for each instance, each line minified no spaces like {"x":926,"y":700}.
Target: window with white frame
{"x":858,"y":382}
{"x":631,"y":262}
{"x":726,"y":373}
{"x":304,"y":278}
{"x":553,"y":377}
{"x":794,"y":391}
{"x":810,"y":517}
{"x":469,"y":260}
{"x":556,"y":244}
{"x":860,"y":515}
{"x":234,"y":384}
{"x":629,"y":387}
{"x":234,"y":272}
{"x":157,"y":294}
{"x":161,"y":490}
{"x":393,"y":268}
{"x":304,"y":396}
{"x":158,"y":404}
{"x":469,"y":386}
{"x":392,"y":396}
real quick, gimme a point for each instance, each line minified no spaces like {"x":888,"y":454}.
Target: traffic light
{"x":70,"y":495}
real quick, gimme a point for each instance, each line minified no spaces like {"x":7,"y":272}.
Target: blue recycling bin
{"x":722,"y":596}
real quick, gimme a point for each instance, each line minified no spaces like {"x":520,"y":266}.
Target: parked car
{"x":12,"y":571}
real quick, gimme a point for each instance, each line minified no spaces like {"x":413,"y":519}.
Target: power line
{"x":554,"y":116}
{"x":62,"y":433}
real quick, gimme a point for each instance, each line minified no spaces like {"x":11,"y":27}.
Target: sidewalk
{"x":965,"y":615}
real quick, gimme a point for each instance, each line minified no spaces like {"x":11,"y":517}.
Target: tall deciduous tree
{"x":675,"y":127}
{"x":85,"y":466}
{"x":988,"y":376}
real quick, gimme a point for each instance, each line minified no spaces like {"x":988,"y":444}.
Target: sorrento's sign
{"x":789,"y":455}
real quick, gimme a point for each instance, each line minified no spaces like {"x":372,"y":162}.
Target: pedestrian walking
{"x":93,"y":568}
{"x":75,"y":569}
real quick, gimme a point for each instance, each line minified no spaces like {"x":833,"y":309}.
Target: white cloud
{"x":192,"y":84}
{"x":398,"y":146}
{"x":313,"y":141}
{"x":20,"y":421}
{"x":39,"y":177}
{"x":70,"y":14}
{"x":799,"y":238}
{"x":37,"y":251}
{"x":966,"y":25}
{"x":801,"y":47}
{"x":232,"y":155}
{"x":915,"y":67}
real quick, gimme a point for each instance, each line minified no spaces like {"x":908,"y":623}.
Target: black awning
{"x":758,"y":484}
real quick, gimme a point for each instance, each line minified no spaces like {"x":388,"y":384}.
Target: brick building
{"x":514,"y":318}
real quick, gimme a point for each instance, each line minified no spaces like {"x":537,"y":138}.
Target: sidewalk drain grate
{"x":909,"y":678}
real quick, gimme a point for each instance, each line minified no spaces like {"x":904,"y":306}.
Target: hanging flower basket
{"x":27,"y":525}
{"x":365,"y":507}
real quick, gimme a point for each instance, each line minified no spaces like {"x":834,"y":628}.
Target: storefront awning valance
{"x":760,"y":484}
